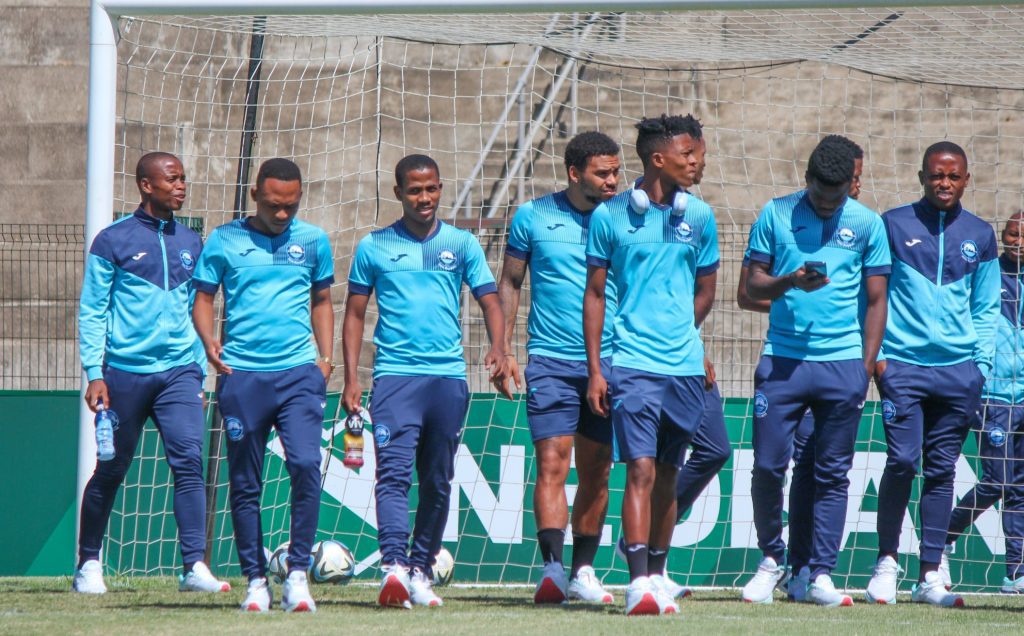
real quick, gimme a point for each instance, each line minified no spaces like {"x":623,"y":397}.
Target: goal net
{"x":494,"y":99}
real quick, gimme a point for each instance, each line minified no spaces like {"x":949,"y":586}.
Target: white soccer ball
{"x":278,"y":564}
{"x":332,"y":562}
{"x":443,"y":567}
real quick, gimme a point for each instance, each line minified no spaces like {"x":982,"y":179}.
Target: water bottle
{"x":354,"y":438}
{"x":106,"y":422}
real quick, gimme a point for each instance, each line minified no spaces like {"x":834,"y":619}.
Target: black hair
{"x":144,"y":168}
{"x":831,"y":162}
{"x":586,"y":145}
{"x":858,"y":152}
{"x":412,"y":163}
{"x":278,"y":168}
{"x":943,"y":147}
{"x":655,"y":132}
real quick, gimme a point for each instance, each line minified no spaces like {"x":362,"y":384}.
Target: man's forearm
{"x":202,"y":317}
{"x":322,"y":319}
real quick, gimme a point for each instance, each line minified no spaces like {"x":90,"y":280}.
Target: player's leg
{"x":178,"y":415}
{"x":131,"y":395}
{"x":801,"y":508}
{"x":841,"y":387}
{"x":248,"y":404}
{"x":397,"y":408}
{"x":779,"y":403}
{"x":902,"y":388}
{"x":447,"y":400}
{"x":949,"y":413}
{"x":1013,"y":504}
{"x":710,"y":450}
{"x":302,"y":398}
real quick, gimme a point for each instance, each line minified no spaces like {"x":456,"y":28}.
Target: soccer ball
{"x":443,"y":567}
{"x":332,"y":562}
{"x":278,"y":564}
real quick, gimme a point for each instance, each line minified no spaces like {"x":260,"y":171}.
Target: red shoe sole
{"x":846,"y":602}
{"x":225,"y":588}
{"x":647,"y":606}
{"x":958,"y":602}
{"x":548,"y":593}
{"x":393,"y":594}
{"x":607,"y":599}
{"x":253,"y":607}
{"x":301,"y":607}
{"x":687,"y":594}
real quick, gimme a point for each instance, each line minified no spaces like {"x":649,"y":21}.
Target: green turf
{"x":153,"y":606}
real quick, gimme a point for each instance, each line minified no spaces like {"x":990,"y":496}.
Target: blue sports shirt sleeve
{"x":762,"y":241}
{"x":519,"y":239}
{"x":477,"y":275}
{"x":362,"y":273}
{"x":985,"y":297}
{"x":707,"y":254}
{"x":209,"y":270}
{"x":94,"y":308}
{"x":878,"y":258}
{"x":324,"y":274}
{"x":599,"y":239}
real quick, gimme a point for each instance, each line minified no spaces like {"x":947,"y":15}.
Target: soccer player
{"x":142,"y":360}
{"x":939,"y":342}
{"x":661,"y":245}
{"x":417,"y":267}
{"x":813,"y":253}
{"x":801,"y":487}
{"x":1001,"y":433}
{"x":276,"y":272}
{"x":549,"y":236}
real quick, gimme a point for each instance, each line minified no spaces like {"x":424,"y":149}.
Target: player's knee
{"x":901,"y":464}
{"x":767,"y":471}
{"x":303,"y":467}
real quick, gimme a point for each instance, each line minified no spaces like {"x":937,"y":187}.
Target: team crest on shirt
{"x":296,"y":254}
{"x":684,"y":232}
{"x":969,"y":250}
{"x":846,"y":236}
{"x":447,"y":260}
{"x":760,"y":404}
{"x":381,"y":435}
{"x":888,"y":411}
{"x":187,"y":260}
{"x":997,"y":436}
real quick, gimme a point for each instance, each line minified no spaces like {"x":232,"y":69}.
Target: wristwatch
{"x":327,"y":360}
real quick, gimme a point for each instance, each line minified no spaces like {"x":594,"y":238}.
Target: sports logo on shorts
{"x":233,"y":427}
{"x":969,"y":250}
{"x":846,"y":236}
{"x":684,"y":232}
{"x":997,"y":436}
{"x":447,"y":260}
{"x":616,"y":404}
{"x":888,"y":411}
{"x":760,"y":404}
{"x":381,"y":435}
{"x":296,"y":254}
{"x":187,"y":260}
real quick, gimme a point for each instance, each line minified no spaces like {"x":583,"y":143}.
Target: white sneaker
{"x":553,"y":584}
{"x":822,"y":592}
{"x":394,"y":588}
{"x":796,"y":586}
{"x":642,"y":599}
{"x":1012,"y":586}
{"x":257,"y":597}
{"x":947,"y":579}
{"x":89,"y":578}
{"x":932,"y":591}
{"x":884,"y":581}
{"x":200,"y":579}
{"x":421,"y":590}
{"x":295,"y":596}
{"x":668,"y":587}
{"x":769,"y":576}
{"x":587,"y":588}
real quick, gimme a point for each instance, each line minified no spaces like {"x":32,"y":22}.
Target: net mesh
{"x":494,"y":99}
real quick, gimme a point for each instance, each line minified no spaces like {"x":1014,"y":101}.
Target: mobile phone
{"x":818,"y":268}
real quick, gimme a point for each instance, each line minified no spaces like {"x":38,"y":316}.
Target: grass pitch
{"x":154,"y":606}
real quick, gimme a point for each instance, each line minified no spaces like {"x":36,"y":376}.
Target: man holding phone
{"x":815,"y":254}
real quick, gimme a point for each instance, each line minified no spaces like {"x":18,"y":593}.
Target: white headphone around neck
{"x":640,"y":202}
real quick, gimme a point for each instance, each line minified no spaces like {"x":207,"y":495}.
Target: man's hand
{"x":213,"y":351}
{"x":325,"y":367}
{"x":513,"y":374}
{"x":808,"y":281}
{"x":709,"y":374}
{"x":878,"y":370}
{"x":96,"y":393}
{"x":597,"y":395}
{"x":352,"y":397}
{"x":497,"y":363}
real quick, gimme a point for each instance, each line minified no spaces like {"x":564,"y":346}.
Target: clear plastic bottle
{"x":106,"y":422}
{"x":354,"y":425}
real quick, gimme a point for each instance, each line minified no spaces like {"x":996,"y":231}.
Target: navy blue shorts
{"x":556,"y":400}
{"x":654,"y":415}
